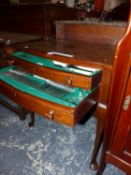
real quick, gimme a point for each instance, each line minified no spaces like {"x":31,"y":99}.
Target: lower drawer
{"x":62,"y":114}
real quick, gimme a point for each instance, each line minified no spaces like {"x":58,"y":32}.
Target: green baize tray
{"x":35,"y":59}
{"x":42,"y":88}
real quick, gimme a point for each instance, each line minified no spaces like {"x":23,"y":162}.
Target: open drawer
{"x":70,"y":75}
{"x":53,"y":100}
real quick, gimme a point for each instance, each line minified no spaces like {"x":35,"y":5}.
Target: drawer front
{"x":45,"y":108}
{"x":66,"y":78}
{"x":50,"y":110}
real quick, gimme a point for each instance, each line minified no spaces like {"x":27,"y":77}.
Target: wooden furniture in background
{"x":117,"y":137}
{"x":35,"y":19}
{"x":39,"y":18}
{"x":100,"y":40}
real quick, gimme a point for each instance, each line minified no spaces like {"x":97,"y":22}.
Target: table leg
{"x":99,"y":137}
{"x":32,"y":122}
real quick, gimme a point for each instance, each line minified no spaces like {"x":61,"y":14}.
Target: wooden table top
{"x":13,"y":38}
{"x":93,"y":52}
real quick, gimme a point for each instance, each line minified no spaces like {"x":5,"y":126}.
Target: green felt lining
{"x":68,"y":98}
{"x":51,"y":64}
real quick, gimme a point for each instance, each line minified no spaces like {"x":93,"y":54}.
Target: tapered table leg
{"x":99,"y":138}
{"x":22,"y":112}
{"x":32,"y":122}
{"x":101,"y":165}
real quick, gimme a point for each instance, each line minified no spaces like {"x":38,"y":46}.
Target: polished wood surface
{"x":50,"y":110}
{"x":92,"y":31}
{"x":117,"y":147}
{"x":102,"y":41}
{"x":66,"y":78}
{"x":123,"y":133}
{"x":82,"y":56}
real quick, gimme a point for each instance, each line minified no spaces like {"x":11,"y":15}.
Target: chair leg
{"x":32,"y":122}
{"x":99,"y":138}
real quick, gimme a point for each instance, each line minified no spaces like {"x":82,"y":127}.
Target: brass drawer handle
{"x":69,"y":81}
{"x":50,"y":114}
{"x":34,"y":68}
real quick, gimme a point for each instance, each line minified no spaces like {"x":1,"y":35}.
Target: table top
{"x":93,"y":52}
{"x":13,"y":38}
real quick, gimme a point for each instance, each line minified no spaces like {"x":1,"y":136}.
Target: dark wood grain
{"x":34,"y":18}
{"x":117,"y":147}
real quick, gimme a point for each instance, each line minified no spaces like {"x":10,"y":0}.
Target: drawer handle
{"x":34,"y":68}
{"x":69,"y":81}
{"x":50,"y":114}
